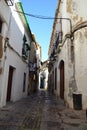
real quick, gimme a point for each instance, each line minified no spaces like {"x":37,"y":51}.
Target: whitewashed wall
{"x":17,"y":85}
{"x":76,"y":11}
{"x":13,"y":56}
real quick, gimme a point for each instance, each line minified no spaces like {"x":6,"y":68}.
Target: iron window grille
{"x":59,"y":38}
{"x":9,"y":2}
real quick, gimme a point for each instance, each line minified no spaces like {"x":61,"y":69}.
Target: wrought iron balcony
{"x":9,"y":2}
{"x":59,"y":38}
{"x":1,"y":46}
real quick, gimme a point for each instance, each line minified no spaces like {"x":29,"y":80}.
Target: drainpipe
{"x":71,"y":37}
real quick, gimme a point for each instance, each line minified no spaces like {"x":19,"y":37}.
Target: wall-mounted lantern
{"x":9,"y":2}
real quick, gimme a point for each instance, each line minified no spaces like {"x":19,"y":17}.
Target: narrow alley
{"x":41,"y":111}
{"x":43,"y":72}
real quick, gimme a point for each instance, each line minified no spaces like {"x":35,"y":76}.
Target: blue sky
{"x":42,"y":28}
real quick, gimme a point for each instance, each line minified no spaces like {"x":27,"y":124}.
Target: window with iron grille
{"x":0,"y":26}
{"x":59,"y":38}
{"x":59,"y":33}
{"x":25,"y":48}
{"x":9,"y":2}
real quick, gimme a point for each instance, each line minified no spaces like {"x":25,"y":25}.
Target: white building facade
{"x":15,"y":38}
{"x":68,"y":47}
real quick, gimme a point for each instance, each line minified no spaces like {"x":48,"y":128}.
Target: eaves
{"x":23,"y":18}
{"x":54,"y":24}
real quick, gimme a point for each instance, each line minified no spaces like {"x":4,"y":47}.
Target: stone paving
{"x":41,"y":111}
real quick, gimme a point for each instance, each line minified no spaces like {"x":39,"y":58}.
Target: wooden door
{"x":62,"y":79}
{"x":9,"y":87}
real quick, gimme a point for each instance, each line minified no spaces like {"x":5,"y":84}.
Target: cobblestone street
{"x":41,"y":111}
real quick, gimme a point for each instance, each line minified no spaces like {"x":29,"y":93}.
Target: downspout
{"x":72,"y":83}
{"x":68,"y":35}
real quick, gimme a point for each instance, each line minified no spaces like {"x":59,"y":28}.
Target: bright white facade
{"x":13,"y":61}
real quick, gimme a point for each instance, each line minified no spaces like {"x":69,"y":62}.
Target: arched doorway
{"x":62,"y":79}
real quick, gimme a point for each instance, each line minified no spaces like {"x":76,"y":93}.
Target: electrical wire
{"x":46,"y":17}
{"x":35,"y":16}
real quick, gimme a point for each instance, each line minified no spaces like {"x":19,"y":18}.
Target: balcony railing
{"x":25,"y":50}
{"x":32,"y":67}
{"x":9,"y":2}
{"x":1,"y":46}
{"x":59,"y":38}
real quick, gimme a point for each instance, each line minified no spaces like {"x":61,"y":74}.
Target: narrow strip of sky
{"x":42,"y":28}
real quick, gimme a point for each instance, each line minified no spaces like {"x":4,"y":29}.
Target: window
{"x":24,"y":82}
{"x":25,"y":48}
{"x":59,"y":33}
{"x":9,"y":2}
{"x":55,"y":78}
{"x":59,"y":38}
{"x":0,"y":26}
{"x":1,"y":43}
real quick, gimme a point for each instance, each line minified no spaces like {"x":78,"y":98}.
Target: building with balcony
{"x":15,"y":40}
{"x":34,"y":65}
{"x":67,"y":53}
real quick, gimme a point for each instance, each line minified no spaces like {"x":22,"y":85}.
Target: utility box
{"x":77,"y":101}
